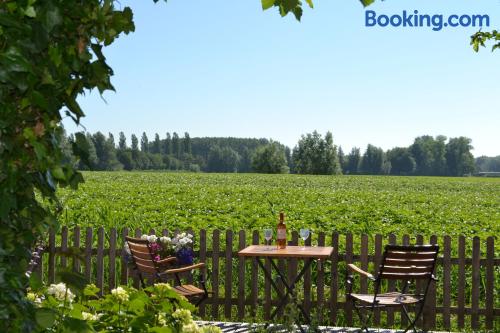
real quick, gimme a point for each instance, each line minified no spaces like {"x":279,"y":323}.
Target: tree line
{"x":313,"y":154}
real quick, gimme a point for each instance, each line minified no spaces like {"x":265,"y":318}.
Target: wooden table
{"x":269,"y":252}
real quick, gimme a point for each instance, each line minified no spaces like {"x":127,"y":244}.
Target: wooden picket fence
{"x":465,"y":296}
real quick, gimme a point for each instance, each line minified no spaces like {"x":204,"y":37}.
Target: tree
{"x":270,"y":159}
{"x":176,"y":145}
{"x":459,"y":159}
{"x":342,"y":160}
{"x":144,"y":143}
{"x":122,"y":141}
{"x":372,"y":162}
{"x":353,"y":161}
{"x":315,"y":155}
{"x":105,"y":151}
{"x":402,"y":163}
{"x":167,"y":149}
{"x":187,"y":143}
{"x":222,"y":160}
{"x":488,"y":164}
{"x":156,"y":149}
{"x":135,"y":143}
{"x":125,"y":158}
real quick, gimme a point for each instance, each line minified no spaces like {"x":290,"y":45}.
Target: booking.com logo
{"x":436,"y":21}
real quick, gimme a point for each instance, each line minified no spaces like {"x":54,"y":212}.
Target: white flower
{"x":144,"y":237}
{"x":165,"y":240}
{"x":90,"y":316}
{"x":120,"y":294}
{"x":152,"y":238}
{"x":61,"y":292}
{"x":183,"y":316}
{"x":190,"y":328}
{"x":162,"y":320}
{"x":31,"y":296}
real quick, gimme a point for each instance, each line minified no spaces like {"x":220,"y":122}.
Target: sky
{"x":227,"y":68}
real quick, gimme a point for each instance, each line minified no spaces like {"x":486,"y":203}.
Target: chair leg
{"x":414,"y":321}
{"x":363,"y":319}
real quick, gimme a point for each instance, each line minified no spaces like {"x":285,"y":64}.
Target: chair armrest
{"x":358,"y":270}
{"x":166,"y":261}
{"x":184,"y":269}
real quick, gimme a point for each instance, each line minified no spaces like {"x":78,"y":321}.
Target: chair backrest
{"x":408,"y":263}
{"x":142,"y":255}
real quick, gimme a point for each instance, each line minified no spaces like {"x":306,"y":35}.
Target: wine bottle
{"x":281,"y":238}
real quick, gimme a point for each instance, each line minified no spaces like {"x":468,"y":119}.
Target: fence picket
{"x":391,"y":287}
{"x":203,"y":258}
{"x":461,"y":283}
{"x":377,"y":259}
{"x":52,"y":256}
{"x":88,"y":254}
{"x":307,"y":281}
{"x":320,"y":282}
{"x":476,"y":280}
{"x":112,"y":259}
{"x":215,"y":273}
{"x":64,"y":247}
{"x":241,"y":276}
{"x":430,"y":309}
{"x":228,"y":285}
{"x":100,"y":261}
{"x":124,"y":266}
{"x":490,"y":281}
{"x":334,"y":279}
{"x":446,"y":281}
{"x":76,"y":245}
{"x":254,"y":280}
{"x":348,"y":260}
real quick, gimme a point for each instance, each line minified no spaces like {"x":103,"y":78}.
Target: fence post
{"x":430,"y":304}
{"x":376,"y":263}
{"x":64,"y":247}
{"x":348,"y":260}
{"x":88,"y":254}
{"x":391,"y":287}
{"x":203,"y":258}
{"x":215,"y":274}
{"x":241,"y":276}
{"x":255,"y":277}
{"x":321,"y":281}
{"x":124,"y":268}
{"x":52,"y":256}
{"x":100,"y":260}
{"x":490,"y":282}
{"x":461,"y":282}
{"x":112,"y":259}
{"x":476,"y":280}
{"x":228,"y":284}
{"x":334,"y":279}
{"x":446,"y":281}
{"x":76,"y":245}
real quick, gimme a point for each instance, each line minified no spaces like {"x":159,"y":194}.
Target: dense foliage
{"x":357,"y":204}
{"x":73,"y":308}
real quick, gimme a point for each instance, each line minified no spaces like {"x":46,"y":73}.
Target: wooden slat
{"x":377,"y":260}
{"x":334,"y":279}
{"x":267,"y":291}
{"x":364,"y":263}
{"x":112,"y":259}
{"x":430,"y":304}
{"x":124,"y":269}
{"x":88,"y":253}
{"x":476,"y":280}
{"x":100,"y":261}
{"x":203,"y":258}
{"x":404,"y":321}
{"x":490,"y":282}
{"x":76,"y":245}
{"x":446,"y":281}
{"x":391,"y":287}
{"x":461,"y":283}
{"x":52,"y":256}
{"x":418,"y":284}
{"x":64,"y":247}
{"x":411,"y":256}
{"x":293,"y":263}
{"x":228,"y":285}
{"x":320,"y":282}
{"x":281,"y":287}
{"x":241,"y":276}
{"x":255,"y":278}
{"x":348,"y":260}
{"x":215,"y":274}
{"x":307,"y":281}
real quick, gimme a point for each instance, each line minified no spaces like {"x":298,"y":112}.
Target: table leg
{"x":289,"y":288}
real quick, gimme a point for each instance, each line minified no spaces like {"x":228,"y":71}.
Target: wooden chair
{"x":404,"y":263}
{"x":145,"y":265}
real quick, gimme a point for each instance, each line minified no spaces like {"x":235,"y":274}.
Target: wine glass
{"x":268,"y":234}
{"x":304,"y":234}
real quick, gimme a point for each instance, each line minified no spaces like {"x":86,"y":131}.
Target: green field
{"x":356,"y":204}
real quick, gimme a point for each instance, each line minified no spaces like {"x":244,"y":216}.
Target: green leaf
{"x":45,"y":317}
{"x":30,"y":12}
{"x":266,"y":4}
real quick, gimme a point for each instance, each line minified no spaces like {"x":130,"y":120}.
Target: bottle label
{"x":281,"y":233}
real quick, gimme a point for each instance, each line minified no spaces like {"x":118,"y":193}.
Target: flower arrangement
{"x":180,"y":246}
{"x":158,"y":308}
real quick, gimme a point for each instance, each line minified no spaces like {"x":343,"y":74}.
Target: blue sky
{"x":226,"y":68}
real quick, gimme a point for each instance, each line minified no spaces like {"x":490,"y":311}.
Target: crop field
{"x":355,"y":204}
